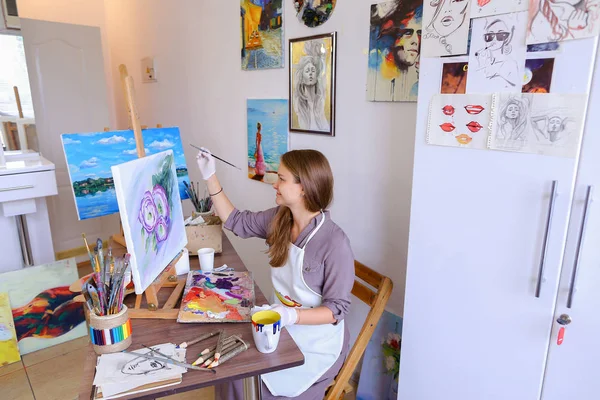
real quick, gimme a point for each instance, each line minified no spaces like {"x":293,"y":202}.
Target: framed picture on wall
{"x":312,"y":84}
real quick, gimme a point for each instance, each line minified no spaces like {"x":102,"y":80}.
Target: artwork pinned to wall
{"x":547,"y":124}
{"x":267,"y":137}
{"x":454,"y":78}
{"x":485,"y":8}
{"x":43,"y":309}
{"x":89,"y":158}
{"x":9,"y":347}
{"x":217,"y":297}
{"x":543,"y":47}
{"x":379,"y":372}
{"x":151,"y":214}
{"x":460,"y":120}
{"x":261,"y":24}
{"x":558,"y":20}
{"x":313,"y":13}
{"x":538,"y":75}
{"x":312,"y":84}
{"x":445,"y":27}
{"x":394,"y":50}
{"x":497,"y":55}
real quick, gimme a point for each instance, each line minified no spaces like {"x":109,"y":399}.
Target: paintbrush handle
{"x":218,"y":158}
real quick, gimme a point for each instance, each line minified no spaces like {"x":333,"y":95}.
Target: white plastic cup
{"x":206,"y":256}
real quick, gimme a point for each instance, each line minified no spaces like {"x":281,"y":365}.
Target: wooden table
{"x":250,"y":363}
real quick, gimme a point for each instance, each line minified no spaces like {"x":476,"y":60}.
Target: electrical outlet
{"x":148,"y":70}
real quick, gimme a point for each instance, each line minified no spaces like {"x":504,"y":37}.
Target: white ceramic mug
{"x":266,"y":330}
{"x":206,"y":256}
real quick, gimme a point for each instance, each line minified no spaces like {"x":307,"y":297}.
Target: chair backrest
{"x":377,"y":301}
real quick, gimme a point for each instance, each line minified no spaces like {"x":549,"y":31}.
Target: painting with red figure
{"x":454,"y":78}
{"x":224,"y":296}
{"x":538,"y":75}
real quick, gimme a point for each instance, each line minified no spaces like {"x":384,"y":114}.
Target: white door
{"x":572,"y":368}
{"x":68,"y":87}
{"x":473,"y":327}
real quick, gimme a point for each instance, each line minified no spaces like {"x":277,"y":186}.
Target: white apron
{"x":320,"y":344}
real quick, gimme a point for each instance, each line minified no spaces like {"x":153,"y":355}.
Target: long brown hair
{"x":311,"y":169}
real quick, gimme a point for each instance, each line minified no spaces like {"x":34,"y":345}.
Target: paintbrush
{"x":170,"y":361}
{"x":218,"y":158}
{"x":87,"y":246}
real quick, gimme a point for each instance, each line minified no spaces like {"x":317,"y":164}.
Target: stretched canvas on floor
{"x":43,"y":309}
{"x":394,"y":50}
{"x":379,"y":373}
{"x":217,"y":297}
{"x":261,"y":24}
{"x":267,"y":137}
{"x":151,"y":214}
{"x":9,"y":347}
{"x":90,"y":155}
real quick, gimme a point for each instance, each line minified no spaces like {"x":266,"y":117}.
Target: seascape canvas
{"x":151,"y":214}
{"x":394,"y":51}
{"x":380,"y":367}
{"x":261,"y":24}
{"x":217,"y":297}
{"x":89,"y":158}
{"x":9,"y":347}
{"x":43,"y":308}
{"x":267,"y":137}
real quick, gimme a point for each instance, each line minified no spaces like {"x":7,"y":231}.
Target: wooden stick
{"x":232,"y":353}
{"x":211,"y":353}
{"x":185,"y":345}
{"x":219,"y":345}
{"x":18,"y":99}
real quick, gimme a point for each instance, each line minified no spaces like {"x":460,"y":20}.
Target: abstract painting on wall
{"x":9,"y":347}
{"x":538,"y":75}
{"x":394,"y":50}
{"x":261,"y":24}
{"x":312,"y":84}
{"x":43,"y":309}
{"x":151,"y":214}
{"x":89,"y":158}
{"x":379,"y":373}
{"x":217,"y":297}
{"x":267,"y":137}
{"x":313,"y":13}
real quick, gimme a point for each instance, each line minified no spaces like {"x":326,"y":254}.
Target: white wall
{"x":202,"y":89}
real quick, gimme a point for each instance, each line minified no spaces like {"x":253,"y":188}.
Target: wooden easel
{"x":168,"y":278}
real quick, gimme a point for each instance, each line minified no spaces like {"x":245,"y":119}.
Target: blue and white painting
{"x":380,"y":367}
{"x":267,"y":137}
{"x":91,"y":155}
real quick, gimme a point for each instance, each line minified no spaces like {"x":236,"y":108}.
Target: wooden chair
{"x":377,"y":301}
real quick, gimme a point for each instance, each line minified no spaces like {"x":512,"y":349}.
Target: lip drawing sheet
{"x":459,"y":120}
{"x":548,"y":124}
{"x":485,"y":8}
{"x":445,"y":27}
{"x":557,"y":20}
{"x":497,"y":59}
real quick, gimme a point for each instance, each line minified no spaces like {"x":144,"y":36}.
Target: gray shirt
{"x":328,"y":259}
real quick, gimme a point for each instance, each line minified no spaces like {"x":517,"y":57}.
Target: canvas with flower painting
{"x":151,"y":214}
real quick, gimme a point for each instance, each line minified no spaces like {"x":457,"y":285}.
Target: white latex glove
{"x":289,"y":316}
{"x":206,"y":164}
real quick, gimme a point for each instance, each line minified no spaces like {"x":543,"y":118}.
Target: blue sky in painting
{"x":273,"y":116}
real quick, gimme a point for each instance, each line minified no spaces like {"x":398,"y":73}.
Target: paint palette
{"x":217,"y":297}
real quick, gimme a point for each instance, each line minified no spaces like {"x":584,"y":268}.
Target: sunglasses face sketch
{"x":500,"y":36}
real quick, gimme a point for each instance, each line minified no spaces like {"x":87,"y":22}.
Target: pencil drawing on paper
{"x":484,"y":8}
{"x":446,"y":25}
{"x":557,"y":20}
{"x":538,"y":123}
{"x":143,"y":366}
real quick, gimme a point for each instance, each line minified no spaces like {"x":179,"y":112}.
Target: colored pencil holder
{"x":110,"y":333}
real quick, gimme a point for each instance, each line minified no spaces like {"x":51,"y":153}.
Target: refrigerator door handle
{"x":540,"y":278}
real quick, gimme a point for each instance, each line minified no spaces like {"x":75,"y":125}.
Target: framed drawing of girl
{"x":312,"y":84}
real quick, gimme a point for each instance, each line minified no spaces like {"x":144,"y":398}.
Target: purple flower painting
{"x":151,"y":214}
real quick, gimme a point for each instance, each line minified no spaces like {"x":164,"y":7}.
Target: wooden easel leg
{"x":151,"y":297}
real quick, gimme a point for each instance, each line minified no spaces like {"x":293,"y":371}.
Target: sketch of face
{"x":554,"y":124}
{"x":309,"y":73}
{"x":512,"y":111}
{"x":496,"y":35}
{"x":449,"y":15}
{"x":408,"y":44}
{"x":142,"y":366}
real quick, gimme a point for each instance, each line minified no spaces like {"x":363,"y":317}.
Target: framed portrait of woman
{"x":312,"y":84}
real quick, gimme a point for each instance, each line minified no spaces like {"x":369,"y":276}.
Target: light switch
{"x":148,"y":70}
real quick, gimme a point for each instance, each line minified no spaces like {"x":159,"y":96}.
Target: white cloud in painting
{"x":91,"y":163}
{"x":73,"y":168}
{"x":70,"y":141}
{"x":112,"y":140}
{"x":133,"y":152}
{"x":131,"y":141}
{"x":93,"y":176}
{"x":162,"y":145}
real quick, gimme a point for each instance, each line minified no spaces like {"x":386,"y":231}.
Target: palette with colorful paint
{"x":217,"y":297}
